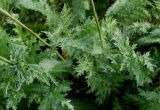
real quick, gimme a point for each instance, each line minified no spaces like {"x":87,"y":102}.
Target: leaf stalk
{"x":6,"y":60}
{"x":29,"y":30}
{"x":97,"y":23}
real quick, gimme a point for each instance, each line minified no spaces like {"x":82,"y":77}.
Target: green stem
{"x":97,"y":23}
{"x":29,"y":30}
{"x":24,"y":26}
{"x":6,"y":60}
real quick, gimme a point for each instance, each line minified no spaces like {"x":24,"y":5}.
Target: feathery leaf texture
{"x":122,"y":75}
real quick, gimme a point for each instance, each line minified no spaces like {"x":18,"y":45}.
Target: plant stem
{"x":97,"y":23}
{"x":29,"y":30}
{"x":6,"y":60}
{"x":24,"y":26}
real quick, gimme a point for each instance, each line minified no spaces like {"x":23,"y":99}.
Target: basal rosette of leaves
{"x":79,"y":54}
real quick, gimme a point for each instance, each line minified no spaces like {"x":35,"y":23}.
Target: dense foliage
{"x":85,"y":56}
